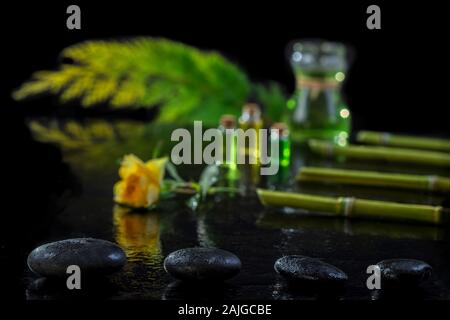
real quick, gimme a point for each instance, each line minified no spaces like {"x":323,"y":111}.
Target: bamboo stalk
{"x":406,"y":141}
{"x":350,"y":207}
{"x":373,"y":178}
{"x":389,"y":154}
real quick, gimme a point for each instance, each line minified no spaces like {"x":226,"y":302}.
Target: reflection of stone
{"x":283,"y":290}
{"x":181,"y":290}
{"x":399,"y":293}
{"x":138,"y":233}
{"x":51,"y":289}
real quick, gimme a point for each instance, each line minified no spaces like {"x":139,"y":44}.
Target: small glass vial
{"x":229,"y":174}
{"x":251,"y":119}
{"x":281,"y":136}
{"x":227,"y":126}
{"x":317,"y":110}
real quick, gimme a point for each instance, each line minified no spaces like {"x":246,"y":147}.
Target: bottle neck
{"x":223,"y":129}
{"x":248,"y":119}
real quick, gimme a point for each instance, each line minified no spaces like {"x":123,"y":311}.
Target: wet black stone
{"x":404,"y":272}
{"x":305,"y":270}
{"x":93,"y":256}
{"x":200,"y":264}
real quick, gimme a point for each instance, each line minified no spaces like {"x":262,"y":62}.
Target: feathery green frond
{"x":187,"y":83}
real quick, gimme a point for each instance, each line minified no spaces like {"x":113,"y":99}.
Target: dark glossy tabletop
{"x":259,"y":236}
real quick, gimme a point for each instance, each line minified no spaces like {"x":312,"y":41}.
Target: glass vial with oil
{"x":229,"y":174}
{"x":279,"y":134}
{"x":251,"y":119}
{"x":250,"y":124}
{"x":227,"y":126}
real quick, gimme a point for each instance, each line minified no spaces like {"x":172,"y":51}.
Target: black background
{"x":397,"y":81}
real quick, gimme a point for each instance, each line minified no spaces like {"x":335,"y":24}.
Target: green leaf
{"x":157,"y":150}
{"x":172,"y":170}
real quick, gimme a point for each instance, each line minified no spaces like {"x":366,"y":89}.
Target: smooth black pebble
{"x":93,"y":256}
{"x":200,"y":264}
{"x":404,"y":272}
{"x":300,"y":269}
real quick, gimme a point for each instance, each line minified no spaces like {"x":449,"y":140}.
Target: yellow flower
{"x":141,"y":181}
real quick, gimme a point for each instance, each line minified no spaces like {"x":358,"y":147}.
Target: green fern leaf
{"x":145,"y":72}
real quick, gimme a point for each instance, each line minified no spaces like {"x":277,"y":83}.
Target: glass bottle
{"x":317,"y":110}
{"x":281,"y":179}
{"x":250,"y":150}
{"x":251,"y":119}
{"x":227,"y":127}
{"x":228,"y":163}
{"x":281,"y":136}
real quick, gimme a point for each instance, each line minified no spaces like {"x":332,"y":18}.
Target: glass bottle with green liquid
{"x":317,"y":110}
{"x":279,"y":134}
{"x":228,"y":156}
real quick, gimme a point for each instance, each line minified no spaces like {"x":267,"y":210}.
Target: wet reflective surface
{"x":257,"y":235}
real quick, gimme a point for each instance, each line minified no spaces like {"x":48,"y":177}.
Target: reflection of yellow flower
{"x":137,"y":233}
{"x":141,"y":182}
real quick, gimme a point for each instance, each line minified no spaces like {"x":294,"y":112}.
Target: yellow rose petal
{"x":141,"y":182}
{"x":157,"y":167}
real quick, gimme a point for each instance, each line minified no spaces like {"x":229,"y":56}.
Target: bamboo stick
{"x":350,"y":207}
{"x":373,"y":178}
{"x":389,"y":154}
{"x":406,"y":141}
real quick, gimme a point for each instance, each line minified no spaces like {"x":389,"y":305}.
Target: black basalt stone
{"x":404,"y":272}
{"x":202,"y":264}
{"x":93,"y":256}
{"x":305,"y":270}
